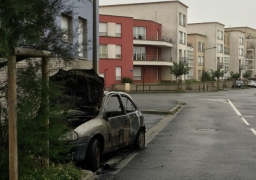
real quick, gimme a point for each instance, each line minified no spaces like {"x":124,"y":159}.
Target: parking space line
{"x":245,"y":121}
{"x":253,"y":130}
{"x":232,"y":105}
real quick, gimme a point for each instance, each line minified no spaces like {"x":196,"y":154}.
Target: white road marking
{"x":245,"y":121}
{"x":218,"y":100}
{"x":253,"y":130}
{"x":232,"y":105}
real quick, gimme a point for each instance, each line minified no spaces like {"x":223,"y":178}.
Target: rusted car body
{"x":103,"y":121}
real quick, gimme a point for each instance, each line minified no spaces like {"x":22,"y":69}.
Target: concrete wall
{"x":174,"y":87}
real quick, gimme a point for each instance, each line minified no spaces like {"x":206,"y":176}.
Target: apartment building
{"x":226,"y":63}
{"x":132,"y":48}
{"x":213,"y":48}
{"x":172,"y":15}
{"x":242,"y":46}
{"x":81,"y":24}
{"x":115,"y":49}
{"x":198,"y":41}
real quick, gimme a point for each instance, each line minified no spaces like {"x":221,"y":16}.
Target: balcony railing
{"x":200,"y":63}
{"x":190,"y":77}
{"x":220,"y":66}
{"x":140,"y":57}
{"x":152,"y":38}
{"x":103,"y":55}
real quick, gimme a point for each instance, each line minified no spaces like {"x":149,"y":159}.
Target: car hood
{"x":85,"y":87}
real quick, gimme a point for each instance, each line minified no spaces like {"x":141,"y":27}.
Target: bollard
{"x":207,"y":87}
{"x":199,"y":88}
{"x":223,"y":86}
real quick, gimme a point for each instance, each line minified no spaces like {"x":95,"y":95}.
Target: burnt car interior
{"x":84,"y":90}
{"x":114,"y":107}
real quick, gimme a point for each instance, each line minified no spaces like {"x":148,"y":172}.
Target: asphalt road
{"x":213,"y":137}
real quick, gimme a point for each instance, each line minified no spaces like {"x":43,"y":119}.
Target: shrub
{"x":126,"y":80}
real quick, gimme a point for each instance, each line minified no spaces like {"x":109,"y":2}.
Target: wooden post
{"x":45,"y":106}
{"x":12,"y":119}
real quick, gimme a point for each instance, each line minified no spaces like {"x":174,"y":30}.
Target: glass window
{"x":82,"y":40}
{"x":136,"y":73}
{"x":139,"y":53}
{"x":118,"y":51}
{"x":118,"y":30}
{"x":103,"y":51}
{"x":103,"y":29}
{"x":139,"y":32}
{"x":66,"y":26}
{"x":118,"y":73}
{"x":128,"y":104}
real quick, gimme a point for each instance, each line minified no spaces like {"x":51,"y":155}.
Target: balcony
{"x":220,"y":65}
{"x":152,"y":60}
{"x":250,"y":48}
{"x":200,"y":63}
{"x":151,"y":40}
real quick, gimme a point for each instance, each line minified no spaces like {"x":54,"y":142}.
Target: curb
{"x":89,"y":175}
{"x":170,"y":112}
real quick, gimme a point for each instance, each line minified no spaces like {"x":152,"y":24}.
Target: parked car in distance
{"x":252,"y":83}
{"x":239,"y":84}
{"x":102,"y":121}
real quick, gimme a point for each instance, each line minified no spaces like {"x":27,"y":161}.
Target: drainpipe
{"x":95,"y":36}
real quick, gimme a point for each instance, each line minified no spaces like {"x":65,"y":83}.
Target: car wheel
{"x":93,"y":155}
{"x":140,"y":140}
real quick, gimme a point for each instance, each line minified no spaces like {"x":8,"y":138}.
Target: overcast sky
{"x":232,"y":13}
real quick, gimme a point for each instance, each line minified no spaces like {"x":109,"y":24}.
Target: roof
{"x":233,"y":30}
{"x":240,"y":27}
{"x":174,"y":1}
{"x":205,"y":23}
{"x":196,"y":34}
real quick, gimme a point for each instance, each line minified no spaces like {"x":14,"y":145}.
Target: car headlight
{"x":69,"y":136}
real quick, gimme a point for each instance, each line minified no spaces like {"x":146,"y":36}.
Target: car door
{"x":117,"y":121}
{"x":131,"y":111}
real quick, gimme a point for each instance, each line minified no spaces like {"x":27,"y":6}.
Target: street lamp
{"x":204,"y":65}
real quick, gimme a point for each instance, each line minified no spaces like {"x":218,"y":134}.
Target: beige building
{"x":171,"y":14}
{"x":242,"y":49}
{"x":198,"y":42}
{"x":226,"y":63}
{"x":214,"y":45}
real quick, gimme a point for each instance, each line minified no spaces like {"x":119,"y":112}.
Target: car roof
{"x":108,"y":93}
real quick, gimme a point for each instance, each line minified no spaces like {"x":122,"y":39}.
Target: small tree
{"x":218,"y":74}
{"x":234,"y":76}
{"x":247,"y":75}
{"x":179,"y":69}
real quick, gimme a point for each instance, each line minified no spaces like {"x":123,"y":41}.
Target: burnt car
{"x":102,"y":121}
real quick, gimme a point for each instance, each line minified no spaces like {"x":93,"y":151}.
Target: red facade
{"x":130,"y":52}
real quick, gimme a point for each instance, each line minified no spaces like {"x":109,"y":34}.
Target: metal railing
{"x":142,"y":57}
{"x":200,"y":63}
{"x":103,"y":55}
{"x":152,"y":37}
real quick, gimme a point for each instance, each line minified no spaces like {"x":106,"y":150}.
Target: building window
{"x":182,"y":37}
{"x":139,"y":32}
{"x":82,"y":37}
{"x":118,"y":30}
{"x":182,"y":19}
{"x":220,"y":35}
{"x":220,"y":48}
{"x":103,"y":29}
{"x":226,"y":50}
{"x":118,"y":51}
{"x":118,"y":73}
{"x":200,"y":46}
{"x":241,"y":52}
{"x":241,"y":41}
{"x":103,"y":51}
{"x":200,"y":60}
{"x":67,"y":27}
{"x":139,"y":53}
{"x":136,"y":73}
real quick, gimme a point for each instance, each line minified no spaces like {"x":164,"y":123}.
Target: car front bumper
{"x":79,"y":148}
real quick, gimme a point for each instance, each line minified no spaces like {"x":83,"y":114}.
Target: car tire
{"x":93,"y":155}
{"x":140,"y":140}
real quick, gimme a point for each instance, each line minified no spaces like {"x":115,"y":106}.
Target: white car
{"x":252,"y":83}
